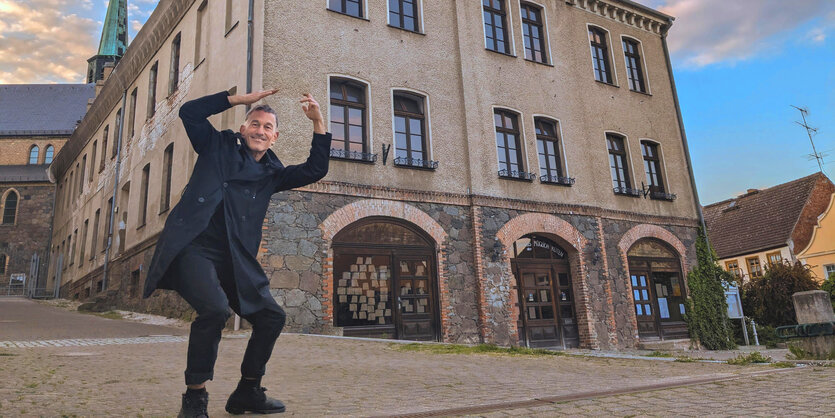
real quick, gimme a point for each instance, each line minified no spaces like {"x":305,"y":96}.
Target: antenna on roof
{"x":809,"y":131}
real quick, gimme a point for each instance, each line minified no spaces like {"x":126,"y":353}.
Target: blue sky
{"x":738,"y":66}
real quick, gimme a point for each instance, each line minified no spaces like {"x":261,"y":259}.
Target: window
{"x":95,"y":233}
{"x":81,"y":175}
{"x":132,"y":117}
{"x":631,"y":52}
{"x":174,"y":70}
{"x":83,"y":242}
{"x":600,"y":55}
{"x":404,"y":14}
{"x":200,"y":34}
{"x":229,"y":25}
{"x":152,"y":91}
{"x":10,"y":208}
{"x":74,"y":246}
{"x":349,"y":7}
{"x":410,"y":131}
{"x":754,"y":268}
{"x":617,"y":165}
{"x":508,"y":145}
{"x":733,"y":267}
{"x":93,"y":161}
{"x":348,"y":120}
{"x":533,"y":33}
{"x":828,"y":270}
{"x":652,"y":168}
{"x":34,"y":154}
{"x":50,"y":152}
{"x":108,"y":219}
{"x":77,"y":180}
{"x":495,"y":26}
{"x":3,"y":264}
{"x":548,"y":150}
{"x":117,"y":134}
{"x":165,"y":196}
{"x":774,"y":258}
{"x":143,"y":205}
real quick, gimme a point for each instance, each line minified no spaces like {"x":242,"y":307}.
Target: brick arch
{"x":501,"y":290}
{"x":365,"y":208}
{"x":637,"y":233}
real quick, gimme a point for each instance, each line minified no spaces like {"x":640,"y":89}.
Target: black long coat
{"x":226,"y":173}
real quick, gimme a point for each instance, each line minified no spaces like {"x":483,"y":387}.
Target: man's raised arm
{"x":195,"y":114}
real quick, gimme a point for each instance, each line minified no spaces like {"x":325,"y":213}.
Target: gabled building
{"x":35,"y":122}
{"x":820,"y":253}
{"x":767,"y":226}
{"x":501,"y":171}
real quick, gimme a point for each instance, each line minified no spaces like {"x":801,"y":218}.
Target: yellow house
{"x":820,"y":253}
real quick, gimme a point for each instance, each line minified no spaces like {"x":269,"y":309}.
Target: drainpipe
{"x":249,"y":36}
{"x":115,"y":190}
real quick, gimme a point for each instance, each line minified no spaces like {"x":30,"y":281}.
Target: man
{"x":207,"y":250}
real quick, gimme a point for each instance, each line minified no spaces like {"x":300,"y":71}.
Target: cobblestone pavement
{"x":316,"y":376}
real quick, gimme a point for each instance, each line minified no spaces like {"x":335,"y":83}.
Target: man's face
{"x":259,"y":131}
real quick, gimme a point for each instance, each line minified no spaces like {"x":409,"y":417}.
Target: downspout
{"x":115,"y":190}
{"x":249,"y":36}
{"x":49,"y":241}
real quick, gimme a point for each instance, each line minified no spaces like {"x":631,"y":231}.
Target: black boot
{"x":249,"y":397}
{"x":195,"y":404}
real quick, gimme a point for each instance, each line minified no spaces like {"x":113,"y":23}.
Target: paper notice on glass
{"x":354,"y":299}
{"x":663,"y":309}
{"x":365,"y":286}
{"x":346,"y":274}
{"x":363,"y":299}
{"x":343,"y":282}
{"x":375,"y":283}
{"x":341,"y":291}
{"x":369,"y":293}
{"x":355,"y":315}
{"x":372,"y":268}
{"x":384,"y":268}
{"x":363,"y":268}
{"x":381,"y":305}
{"x":367,"y":260}
{"x":343,"y":298}
{"x":371,"y":316}
{"x":359,"y":260}
{"x":352,"y":307}
{"x":355,"y":267}
{"x":362,"y":315}
{"x":388,"y":312}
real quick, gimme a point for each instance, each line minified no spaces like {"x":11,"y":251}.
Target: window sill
{"x":140,"y":226}
{"x":354,"y":156}
{"x":426,"y":165}
{"x":640,"y":92}
{"x":627,"y":191}
{"x":557,"y":181}
{"x":607,"y":84}
{"x":507,"y":54}
{"x":516,"y":175}
{"x":669,"y":197}
{"x":547,"y":64}
{"x":349,"y":15}
{"x":164,"y":210}
{"x":404,"y":29}
{"x":231,"y":28}
{"x":198,"y":64}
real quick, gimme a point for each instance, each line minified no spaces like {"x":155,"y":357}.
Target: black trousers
{"x":203,"y":277}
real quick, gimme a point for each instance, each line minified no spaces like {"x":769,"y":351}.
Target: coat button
{"x":225,"y":184}
{"x":201,"y":199}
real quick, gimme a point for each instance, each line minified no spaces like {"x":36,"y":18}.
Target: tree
{"x":768,"y":298}
{"x":829,"y":287}
{"x":707,"y":313}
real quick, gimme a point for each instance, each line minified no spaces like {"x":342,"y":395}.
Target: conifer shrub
{"x":707,"y":313}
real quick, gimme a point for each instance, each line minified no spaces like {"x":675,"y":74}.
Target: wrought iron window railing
{"x":662,"y":196}
{"x":353,"y":155}
{"x":416,"y":163}
{"x":516,"y":175}
{"x":628,"y":191}
{"x":563,"y":181}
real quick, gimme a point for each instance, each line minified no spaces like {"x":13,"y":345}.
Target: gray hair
{"x":262,"y":108}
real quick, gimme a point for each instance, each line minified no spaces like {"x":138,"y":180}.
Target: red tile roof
{"x":758,"y":220}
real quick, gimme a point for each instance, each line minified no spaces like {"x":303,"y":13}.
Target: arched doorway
{"x":385,"y":281}
{"x":546,"y":299}
{"x":658,"y":290}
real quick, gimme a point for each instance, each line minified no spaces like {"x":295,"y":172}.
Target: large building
{"x":774,"y":225}
{"x":502,"y":171}
{"x":35,"y":122}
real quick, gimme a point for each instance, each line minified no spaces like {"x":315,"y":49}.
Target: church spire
{"x":114,"y":40}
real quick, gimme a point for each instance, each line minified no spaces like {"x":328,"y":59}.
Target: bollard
{"x":814,"y":314}
{"x":754,"y":327}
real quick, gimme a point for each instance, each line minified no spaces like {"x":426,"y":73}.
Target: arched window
{"x":2,"y":264}
{"x":348,"y":107}
{"x":632,"y":54}
{"x":50,"y":152}
{"x":534,"y":33}
{"x":411,"y":148}
{"x":10,"y":208}
{"x":509,"y":145}
{"x":495,"y":26}
{"x":600,"y":55}
{"x":34,"y":153}
{"x":548,"y":149}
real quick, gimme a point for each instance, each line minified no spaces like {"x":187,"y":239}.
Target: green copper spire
{"x":114,"y":40}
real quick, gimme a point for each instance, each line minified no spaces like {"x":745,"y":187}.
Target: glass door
{"x":538,"y":308}
{"x":644,"y":310}
{"x":415,"y":299}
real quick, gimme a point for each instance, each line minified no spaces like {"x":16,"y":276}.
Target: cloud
{"x":136,"y":25}
{"x":707,"y":32}
{"x":816,"y":35}
{"x":34,"y":46}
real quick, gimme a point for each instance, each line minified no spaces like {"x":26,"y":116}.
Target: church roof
{"x":114,"y":40}
{"x":42,"y":109}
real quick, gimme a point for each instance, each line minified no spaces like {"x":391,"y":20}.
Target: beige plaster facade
{"x":744,"y":267}
{"x":820,"y":253}
{"x":296,"y":48}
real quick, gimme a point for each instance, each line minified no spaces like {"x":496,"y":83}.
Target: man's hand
{"x":247,"y":99}
{"x":311,"y":109}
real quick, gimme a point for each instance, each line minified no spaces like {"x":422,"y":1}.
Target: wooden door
{"x":415,"y":298}
{"x":538,"y":309}
{"x":644,"y":304}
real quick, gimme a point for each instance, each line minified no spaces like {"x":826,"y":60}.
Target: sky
{"x":739,"y":66}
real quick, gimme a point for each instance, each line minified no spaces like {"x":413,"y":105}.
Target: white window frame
{"x":431,"y":153}
{"x":643,"y":62}
{"x":419,"y":17}
{"x":628,"y":155}
{"x":368,"y":105}
{"x":563,"y":159}
{"x":550,"y":58}
{"x":611,"y":52}
{"x":522,"y":141}
{"x":666,"y":179}
{"x":510,"y":39}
